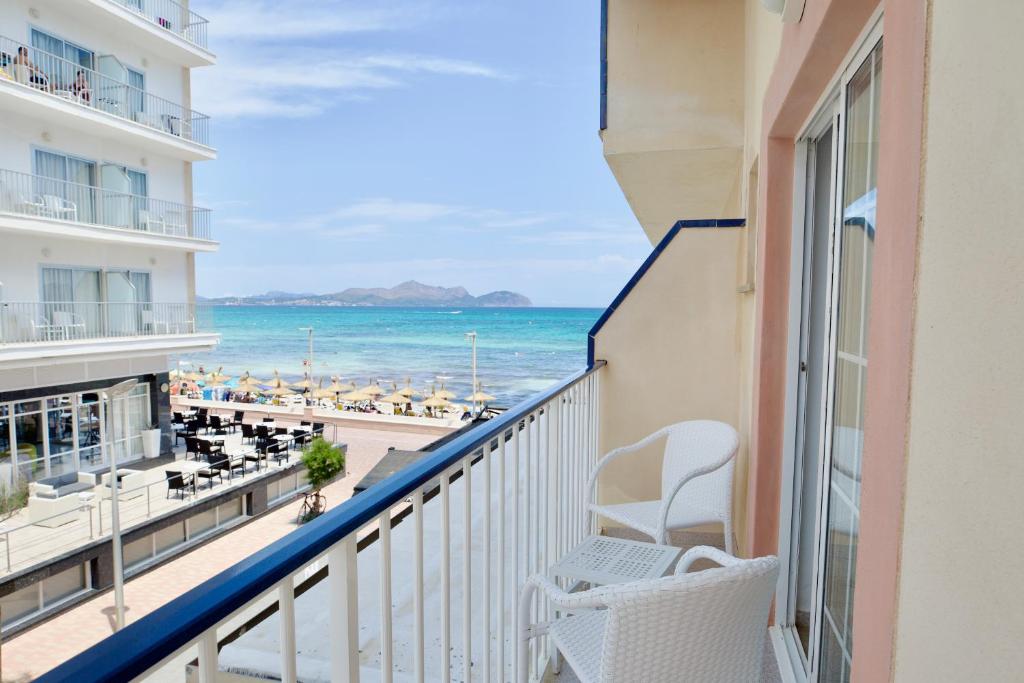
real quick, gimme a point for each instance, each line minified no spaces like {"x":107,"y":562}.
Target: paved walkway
{"x":41,"y":648}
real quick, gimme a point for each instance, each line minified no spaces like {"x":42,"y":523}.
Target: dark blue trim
{"x":144,"y":643}
{"x":604,"y":65}
{"x":646,"y":265}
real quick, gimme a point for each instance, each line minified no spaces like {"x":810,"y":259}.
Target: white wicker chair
{"x":698,"y":461}
{"x":708,"y":626}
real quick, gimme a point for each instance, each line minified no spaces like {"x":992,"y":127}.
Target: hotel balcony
{"x":64,"y":330}
{"x":167,"y":27}
{"x":36,"y":204}
{"x":99,"y":102}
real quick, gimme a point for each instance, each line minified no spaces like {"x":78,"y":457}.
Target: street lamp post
{"x":309,"y":359}
{"x":117,"y":391}
{"x":472,"y":337}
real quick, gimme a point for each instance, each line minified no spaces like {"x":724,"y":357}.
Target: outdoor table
{"x":603,"y":560}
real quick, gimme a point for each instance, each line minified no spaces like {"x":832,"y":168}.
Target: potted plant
{"x":323,"y":463}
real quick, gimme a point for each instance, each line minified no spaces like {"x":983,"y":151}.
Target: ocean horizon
{"x":520,"y":351}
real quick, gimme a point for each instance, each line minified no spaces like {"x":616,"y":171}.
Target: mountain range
{"x":409,"y":293}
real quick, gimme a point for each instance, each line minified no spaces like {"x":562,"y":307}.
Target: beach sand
{"x":43,"y":647}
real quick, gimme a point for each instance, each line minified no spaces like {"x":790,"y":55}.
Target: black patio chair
{"x":262,"y":433}
{"x":258,"y":456}
{"x":201,"y":423}
{"x":209,"y":472}
{"x":208,"y":449}
{"x":318,"y":428}
{"x":248,"y":433}
{"x":188,"y":430}
{"x":176,"y":481}
{"x":301,"y":437}
{"x":193,"y":446}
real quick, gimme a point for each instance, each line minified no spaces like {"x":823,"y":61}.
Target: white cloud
{"x":273,"y":63}
{"x":395,"y":211}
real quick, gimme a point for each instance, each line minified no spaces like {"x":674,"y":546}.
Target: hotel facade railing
{"x":70,"y":81}
{"x":52,"y":321}
{"x":171,"y":16}
{"x":41,"y":197}
{"x":535,"y":459}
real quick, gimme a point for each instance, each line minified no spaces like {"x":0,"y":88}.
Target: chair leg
{"x":728,"y":536}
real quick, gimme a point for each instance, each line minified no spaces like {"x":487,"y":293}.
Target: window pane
{"x":856,"y":243}
{"x":64,"y":584}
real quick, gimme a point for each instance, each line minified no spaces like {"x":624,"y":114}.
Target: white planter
{"x":151,"y":442}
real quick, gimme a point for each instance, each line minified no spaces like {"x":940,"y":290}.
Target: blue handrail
{"x":144,"y":644}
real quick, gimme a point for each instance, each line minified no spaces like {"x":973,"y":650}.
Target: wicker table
{"x":603,"y":560}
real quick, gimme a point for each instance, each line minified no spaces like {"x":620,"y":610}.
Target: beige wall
{"x":961,"y":600}
{"x":675,"y":108}
{"x":673,"y":354}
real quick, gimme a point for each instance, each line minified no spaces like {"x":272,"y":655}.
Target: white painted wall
{"x":22,"y":134}
{"x":22,"y":257}
{"x":163,"y":78}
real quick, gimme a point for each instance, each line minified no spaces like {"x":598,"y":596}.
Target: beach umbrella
{"x":192,"y":376}
{"x":324,"y":392}
{"x":372,"y":389}
{"x":341,"y":387}
{"x":217,"y":377}
{"x":396,"y":399}
{"x":278,"y":387}
{"x":408,"y":391}
{"x":356,"y":396}
{"x":305,"y":383}
{"x":436,"y":402}
{"x":174,"y":374}
{"x":444,"y":393}
{"x":249,"y":384}
{"x":480,"y":397}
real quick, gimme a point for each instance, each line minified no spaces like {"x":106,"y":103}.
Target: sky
{"x":363,"y":144}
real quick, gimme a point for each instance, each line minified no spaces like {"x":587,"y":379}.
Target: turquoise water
{"x":519,"y":350}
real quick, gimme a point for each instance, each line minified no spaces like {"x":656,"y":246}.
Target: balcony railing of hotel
{"x":41,"y":197}
{"x":171,"y":16}
{"x":519,"y":479}
{"x":50,"y":321}
{"x":70,"y":81}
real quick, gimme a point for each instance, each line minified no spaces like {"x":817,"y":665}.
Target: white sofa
{"x":131,"y":486}
{"x":54,"y":501}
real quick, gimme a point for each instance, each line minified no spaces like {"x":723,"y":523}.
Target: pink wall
{"x":811,"y":54}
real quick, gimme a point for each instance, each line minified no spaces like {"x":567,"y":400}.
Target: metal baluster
{"x":446,"y":580}
{"x":385,"y":598}
{"x":502,"y":574}
{"x":417,"y":519}
{"x":343,"y":608}
{"x":515,"y":551}
{"x":286,"y":608}
{"x":467,"y":575}
{"x":527,"y":479}
{"x":208,"y":656}
{"x":487,"y":561}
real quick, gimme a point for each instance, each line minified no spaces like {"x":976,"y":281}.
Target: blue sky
{"x":368,"y":143}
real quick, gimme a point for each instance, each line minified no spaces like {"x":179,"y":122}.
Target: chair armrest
{"x":666,"y":503}
{"x":591,"y":599}
{"x":617,"y":453}
{"x":704,"y":552}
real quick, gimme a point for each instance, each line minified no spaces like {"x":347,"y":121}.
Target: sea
{"x":520,"y":351}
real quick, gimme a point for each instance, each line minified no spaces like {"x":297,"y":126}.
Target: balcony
{"x":30,"y":330}
{"x":33,"y":203}
{"x":44,"y":85}
{"x":519,"y":478}
{"x":165,"y":26}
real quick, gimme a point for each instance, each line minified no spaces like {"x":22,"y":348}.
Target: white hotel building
{"x":98,"y":230}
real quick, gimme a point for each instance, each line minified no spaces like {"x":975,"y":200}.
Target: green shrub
{"x":323,"y":463}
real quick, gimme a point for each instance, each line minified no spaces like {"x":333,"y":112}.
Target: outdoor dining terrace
{"x":71,"y":511}
{"x":461,"y":566}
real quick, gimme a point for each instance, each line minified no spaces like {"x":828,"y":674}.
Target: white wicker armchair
{"x":698,"y":463}
{"x":708,"y":626}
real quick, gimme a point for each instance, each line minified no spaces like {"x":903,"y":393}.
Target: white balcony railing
{"x":40,"y":197}
{"x":52,"y":321}
{"x":171,"y":16}
{"x":500,"y":502}
{"x":58,"y":77}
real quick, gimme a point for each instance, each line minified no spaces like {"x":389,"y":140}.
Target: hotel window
{"x":69,"y":178}
{"x":59,"y":59}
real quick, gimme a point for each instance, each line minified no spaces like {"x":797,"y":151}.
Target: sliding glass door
{"x":836,"y":246}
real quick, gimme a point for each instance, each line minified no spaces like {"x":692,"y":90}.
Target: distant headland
{"x":409,"y":293}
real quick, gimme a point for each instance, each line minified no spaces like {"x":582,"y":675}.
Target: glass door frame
{"x":831,"y":109}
